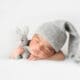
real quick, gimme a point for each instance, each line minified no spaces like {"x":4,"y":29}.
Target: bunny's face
{"x":24,"y":40}
{"x":23,"y":32}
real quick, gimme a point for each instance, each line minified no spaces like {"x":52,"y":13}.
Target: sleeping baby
{"x":48,"y":40}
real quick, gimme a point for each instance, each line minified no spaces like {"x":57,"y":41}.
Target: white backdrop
{"x":33,"y":13}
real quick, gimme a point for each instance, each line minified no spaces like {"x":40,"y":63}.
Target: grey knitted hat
{"x":55,"y":34}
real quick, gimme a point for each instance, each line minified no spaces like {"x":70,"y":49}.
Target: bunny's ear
{"x":22,"y":30}
{"x":18,"y":31}
{"x":25,"y":30}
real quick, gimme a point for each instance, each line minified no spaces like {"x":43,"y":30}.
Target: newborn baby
{"x":39,"y":49}
{"x":48,"y":40}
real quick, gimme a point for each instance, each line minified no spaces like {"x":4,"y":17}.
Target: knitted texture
{"x":55,"y":34}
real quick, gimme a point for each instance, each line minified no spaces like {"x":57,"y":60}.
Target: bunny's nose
{"x":22,"y":40}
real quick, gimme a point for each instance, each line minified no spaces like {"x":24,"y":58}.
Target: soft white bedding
{"x":38,"y":70}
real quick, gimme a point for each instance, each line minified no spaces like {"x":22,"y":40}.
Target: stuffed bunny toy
{"x":22,"y":32}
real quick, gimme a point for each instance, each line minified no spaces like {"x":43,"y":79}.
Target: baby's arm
{"x":57,"y":56}
{"x":17,"y":52}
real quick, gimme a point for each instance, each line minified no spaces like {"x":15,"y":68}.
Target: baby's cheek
{"x":32,"y":46}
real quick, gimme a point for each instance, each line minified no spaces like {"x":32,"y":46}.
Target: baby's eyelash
{"x":37,"y":41}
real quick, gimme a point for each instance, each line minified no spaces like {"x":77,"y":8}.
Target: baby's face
{"x":40,"y":48}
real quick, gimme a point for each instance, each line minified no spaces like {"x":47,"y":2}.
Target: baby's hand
{"x":17,"y":52}
{"x":33,"y":58}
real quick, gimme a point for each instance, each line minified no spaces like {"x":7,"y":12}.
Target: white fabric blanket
{"x":38,"y":70}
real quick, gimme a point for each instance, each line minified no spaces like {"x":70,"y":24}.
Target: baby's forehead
{"x":41,"y":39}
{"x":37,"y":36}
